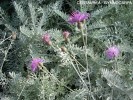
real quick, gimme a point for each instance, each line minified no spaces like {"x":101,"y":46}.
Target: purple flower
{"x":35,"y":63}
{"x":46,"y":39}
{"x":66,"y":34}
{"x":78,"y":17}
{"x":112,"y":52}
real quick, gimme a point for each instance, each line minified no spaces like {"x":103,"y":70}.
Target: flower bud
{"x":46,"y":39}
{"x":80,"y":25}
{"x":63,"y":49}
{"x":66,"y":34}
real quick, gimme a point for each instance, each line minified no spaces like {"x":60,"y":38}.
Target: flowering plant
{"x":77,"y":16}
{"x":90,"y":60}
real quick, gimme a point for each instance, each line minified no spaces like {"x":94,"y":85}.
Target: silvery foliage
{"x":82,"y":71}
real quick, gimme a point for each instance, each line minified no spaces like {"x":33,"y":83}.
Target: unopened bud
{"x":80,"y":25}
{"x":46,"y":39}
{"x":66,"y":34}
{"x":63,"y":49}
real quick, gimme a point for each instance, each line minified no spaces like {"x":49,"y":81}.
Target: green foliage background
{"x":65,"y":75}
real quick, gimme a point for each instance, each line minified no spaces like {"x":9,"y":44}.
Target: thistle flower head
{"x":78,"y":17}
{"x":35,"y":63}
{"x":66,"y":34}
{"x":112,"y":52}
{"x":46,"y":38}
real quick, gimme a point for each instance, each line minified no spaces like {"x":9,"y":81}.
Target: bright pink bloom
{"x":46,"y":38}
{"x":35,"y":63}
{"x":112,"y":52}
{"x":66,"y":34}
{"x":78,"y":17}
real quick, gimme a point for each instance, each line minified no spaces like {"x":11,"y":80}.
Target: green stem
{"x":45,"y":70}
{"x":6,"y":52}
{"x":79,"y":74}
{"x":84,"y":37}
